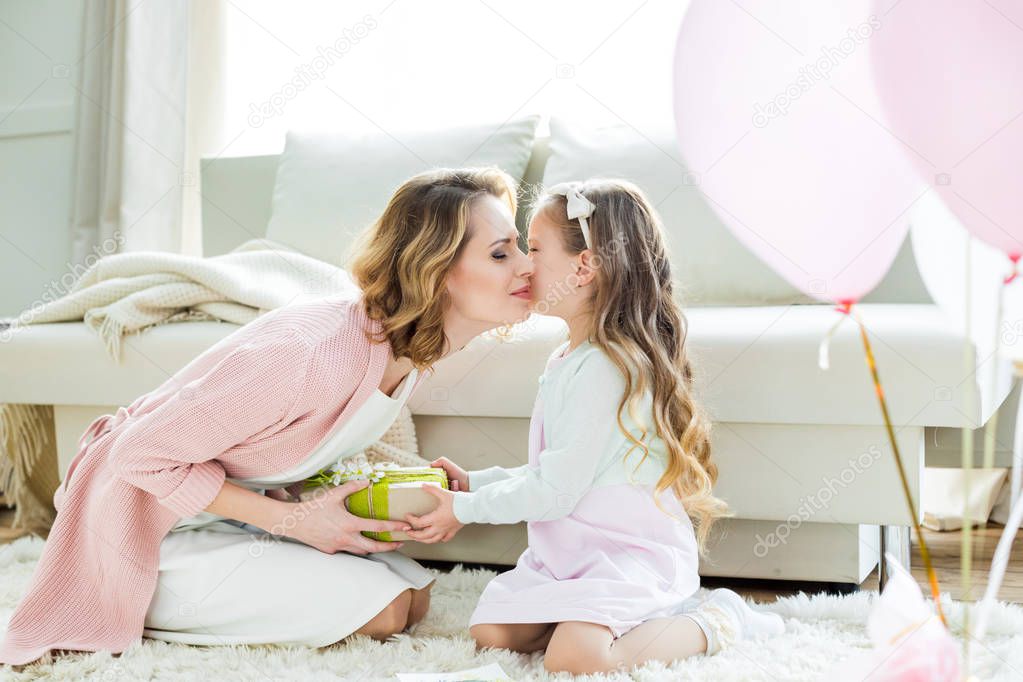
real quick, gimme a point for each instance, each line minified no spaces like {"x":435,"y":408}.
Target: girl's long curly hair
{"x":638,"y":323}
{"x":401,"y":262}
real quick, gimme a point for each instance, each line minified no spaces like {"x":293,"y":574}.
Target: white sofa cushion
{"x":331,"y":186}
{"x":755,"y":364}
{"x":66,"y":363}
{"x":711,"y":265}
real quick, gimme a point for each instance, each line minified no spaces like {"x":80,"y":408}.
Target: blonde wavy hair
{"x":402,"y":260}
{"x":638,"y":323}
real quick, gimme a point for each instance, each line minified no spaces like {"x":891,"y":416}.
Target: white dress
{"x":222,"y":581}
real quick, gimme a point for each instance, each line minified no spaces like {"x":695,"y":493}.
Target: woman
{"x":161,"y":517}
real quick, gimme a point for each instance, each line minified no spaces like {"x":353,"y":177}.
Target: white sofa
{"x":803,"y":457}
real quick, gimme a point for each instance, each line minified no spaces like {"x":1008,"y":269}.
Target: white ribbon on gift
{"x":579,"y":207}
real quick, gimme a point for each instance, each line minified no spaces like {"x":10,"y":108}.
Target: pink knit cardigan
{"x":256,"y":403}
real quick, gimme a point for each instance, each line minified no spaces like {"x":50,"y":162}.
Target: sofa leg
{"x":896,"y":540}
{"x":882,"y":563}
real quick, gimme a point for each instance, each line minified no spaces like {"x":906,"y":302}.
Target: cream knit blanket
{"x":128,"y":293}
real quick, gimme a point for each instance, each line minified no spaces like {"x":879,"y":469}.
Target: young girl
{"x":617,"y":491}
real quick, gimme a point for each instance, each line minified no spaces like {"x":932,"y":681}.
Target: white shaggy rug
{"x":821,"y":633}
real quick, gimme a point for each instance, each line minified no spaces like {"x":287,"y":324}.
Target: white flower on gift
{"x":357,"y":468}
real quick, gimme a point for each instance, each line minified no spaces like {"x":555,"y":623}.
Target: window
{"x":396,"y":65}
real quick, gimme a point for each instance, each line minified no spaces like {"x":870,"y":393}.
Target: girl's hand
{"x":440,"y":525}
{"x":325,"y":523}
{"x":457,"y":476}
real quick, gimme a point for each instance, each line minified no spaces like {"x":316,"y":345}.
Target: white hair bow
{"x":578,"y":206}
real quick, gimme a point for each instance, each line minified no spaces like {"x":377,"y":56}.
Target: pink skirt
{"x":617,"y":560}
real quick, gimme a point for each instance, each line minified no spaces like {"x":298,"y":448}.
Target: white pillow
{"x":709,"y":264}
{"x":331,"y":186}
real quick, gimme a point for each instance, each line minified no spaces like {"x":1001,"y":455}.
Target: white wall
{"x":39,"y":48}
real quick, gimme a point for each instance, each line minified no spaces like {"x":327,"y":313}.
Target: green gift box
{"x":392,"y":493}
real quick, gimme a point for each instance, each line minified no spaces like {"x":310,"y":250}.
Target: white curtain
{"x":146,"y":85}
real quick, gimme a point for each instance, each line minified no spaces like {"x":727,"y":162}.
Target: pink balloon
{"x":778,"y":121}
{"x":950,"y":78}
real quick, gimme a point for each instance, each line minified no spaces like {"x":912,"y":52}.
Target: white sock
{"x":726,"y":618}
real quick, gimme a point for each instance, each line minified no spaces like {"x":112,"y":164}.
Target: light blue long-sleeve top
{"x":585,"y":447}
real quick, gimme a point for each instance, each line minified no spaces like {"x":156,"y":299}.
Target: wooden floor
{"x":944,"y":547}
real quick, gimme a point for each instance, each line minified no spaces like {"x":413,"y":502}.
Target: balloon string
{"x":966,"y":450}
{"x":998,"y":565}
{"x":823,"y":352}
{"x":1001,"y":555}
{"x":925,"y":554}
{"x":992,"y":425}
{"x":912,"y":627}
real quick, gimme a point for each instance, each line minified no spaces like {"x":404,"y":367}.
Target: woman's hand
{"x":440,"y":525}
{"x":458,"y":478}
{"x":325,"y":523}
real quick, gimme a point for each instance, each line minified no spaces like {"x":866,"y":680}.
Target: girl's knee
{"x":578,"y":651}
{"x":490,"y":635}
{"x":563,"y":659}
{"x":525,"y":638}
{"x":501,"y":636}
